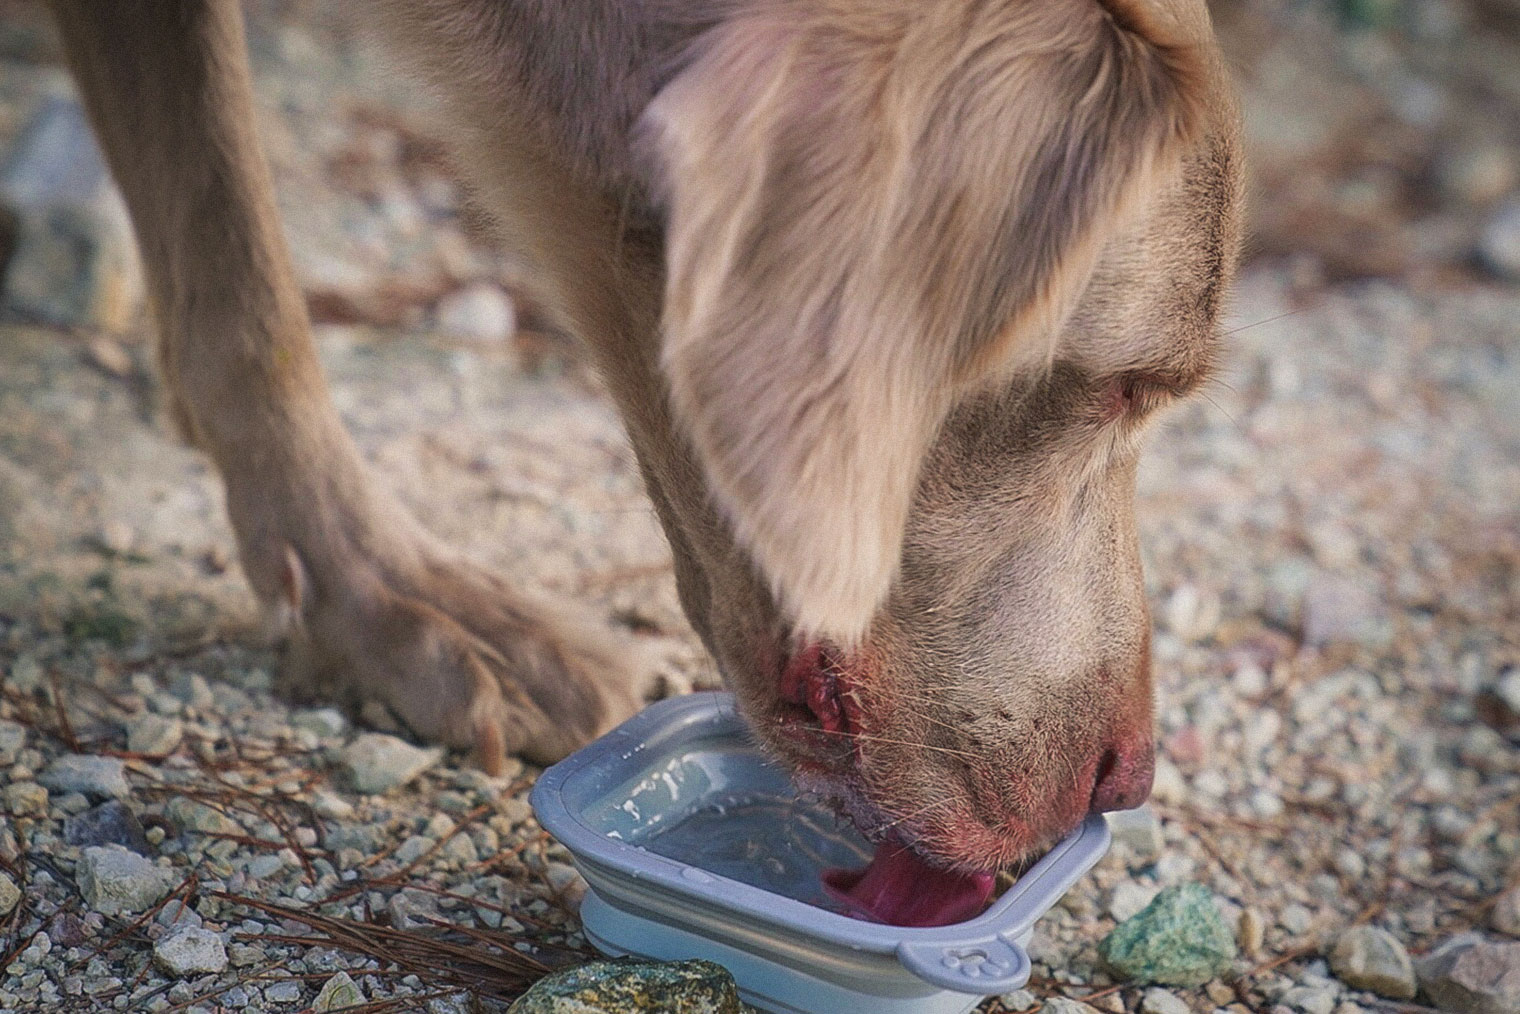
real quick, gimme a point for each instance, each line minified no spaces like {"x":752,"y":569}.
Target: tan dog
{"x":887,"y":291}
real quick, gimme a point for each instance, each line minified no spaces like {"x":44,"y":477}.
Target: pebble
{"x":1191,"y":613}
{"x":10,"y":895}
{"x":328,"y":723}
{"x":1162,"y":1001}
{"x":1339,"y":610}
{"x":192,"y":689}
{"x":287,"y":991}
{"x":25,"y":799}
{"x":1179,"y":939}
{"x":637,"y":987}
{"x":1350,"y":864}
{"x":193,"y":816}
{"x":190,"y":950}
{"x":154,"y":735}
{"x":1313,"y":999}
{"x":115,"y":881}
{"x":331,"y":805}
{"x":414,"y":848}
{"x":1066,"y":1005}
{"x":73,"y":261}
{"x":1129,"y":898}
{"x":1252,"y":929}
{"x":338,"y":992}
{"x":1366,"y":957}
{"x":410,"y":909}
{"x":1471,"y":975}
{"x":1505,"y":916}
{"x":480,"y":312}
{"x":100,"y":777}
{"x":12,"y":741}
{"x":1018,"y":1000}
{"x":110,"y":823}
{"x":377,"y":762}
{"x":1499,"y":245}
{"x":1478,"y":174}
{"x":1139,"y":830}
{"x":1296,"y":919}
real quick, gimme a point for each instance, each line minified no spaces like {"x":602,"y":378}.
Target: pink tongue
{"x":900,"y":889}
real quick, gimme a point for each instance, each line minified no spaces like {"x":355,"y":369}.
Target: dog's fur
{"x":886,"y":291}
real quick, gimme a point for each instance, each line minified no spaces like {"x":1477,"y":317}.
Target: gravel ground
{"x":1332,"y":539}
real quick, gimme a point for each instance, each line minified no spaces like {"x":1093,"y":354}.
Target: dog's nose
{"x":1124,"y":773}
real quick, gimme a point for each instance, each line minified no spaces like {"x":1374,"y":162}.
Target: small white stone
{"x":1129,"y":897}
{"x":190,"y":950}
{"x":1350,"y":864}
{"x":1139,"y":830}
{"x":331,"y":805}
{"x":116,"y":537}
{"x":480,"y":312}
{"x":1296,"y":919}
{"x":154,"y":735}
{"x":1499,"y":245}
{"x":1163,"y":1001}
{"x":377,"y":762}
{"x":325,"y":722}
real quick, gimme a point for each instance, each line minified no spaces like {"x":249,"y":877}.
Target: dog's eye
{"x":1130,"y":397}
{"x":1119,"y":398}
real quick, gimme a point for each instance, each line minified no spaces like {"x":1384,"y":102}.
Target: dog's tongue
{"x":900,"y":889}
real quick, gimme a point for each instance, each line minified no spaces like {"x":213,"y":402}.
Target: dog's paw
{"x":465,"y":659}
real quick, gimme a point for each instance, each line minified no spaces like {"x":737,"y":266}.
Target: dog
{"x":887,"y":292}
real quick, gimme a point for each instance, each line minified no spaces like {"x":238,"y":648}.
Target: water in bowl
{"x":721,"y":807}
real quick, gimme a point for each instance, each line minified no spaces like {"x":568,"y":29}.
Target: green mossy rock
{"x":1179,"y":939}
{"x":634,"y":987}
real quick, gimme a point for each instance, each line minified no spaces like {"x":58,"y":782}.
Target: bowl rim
{"x":666,"y":725}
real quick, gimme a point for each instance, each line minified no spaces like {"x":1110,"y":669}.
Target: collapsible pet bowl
{"x":694,"y":845}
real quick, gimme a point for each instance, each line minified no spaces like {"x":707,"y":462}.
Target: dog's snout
{"x":1122,"y":780}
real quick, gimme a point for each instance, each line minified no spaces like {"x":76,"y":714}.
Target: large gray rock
{"x":73,"y":261}
{"x":115,"y":881}
{"x":1471,"y":975}
{"x":634,"y":987}
{"x":100,"y":777}
{"x":378,"y":763}
{"x":1365,"y":957}
{"x":190,"y":950}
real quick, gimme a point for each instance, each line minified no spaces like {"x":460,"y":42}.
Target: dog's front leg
{"x":370,"y":600}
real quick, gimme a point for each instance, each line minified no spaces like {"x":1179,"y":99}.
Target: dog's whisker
{"x":914,"y":744}
{"x":1259,"y":323}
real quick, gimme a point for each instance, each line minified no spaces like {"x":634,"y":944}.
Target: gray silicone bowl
{"x":673,"y":773}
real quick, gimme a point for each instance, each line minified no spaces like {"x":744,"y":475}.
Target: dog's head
{"x":931,"y":270}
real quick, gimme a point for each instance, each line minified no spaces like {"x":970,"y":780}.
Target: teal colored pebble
{"x":634,"y":987}
{"x":1179,"y":939}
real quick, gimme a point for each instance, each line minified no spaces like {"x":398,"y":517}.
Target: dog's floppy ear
{"x":868,"y":206}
